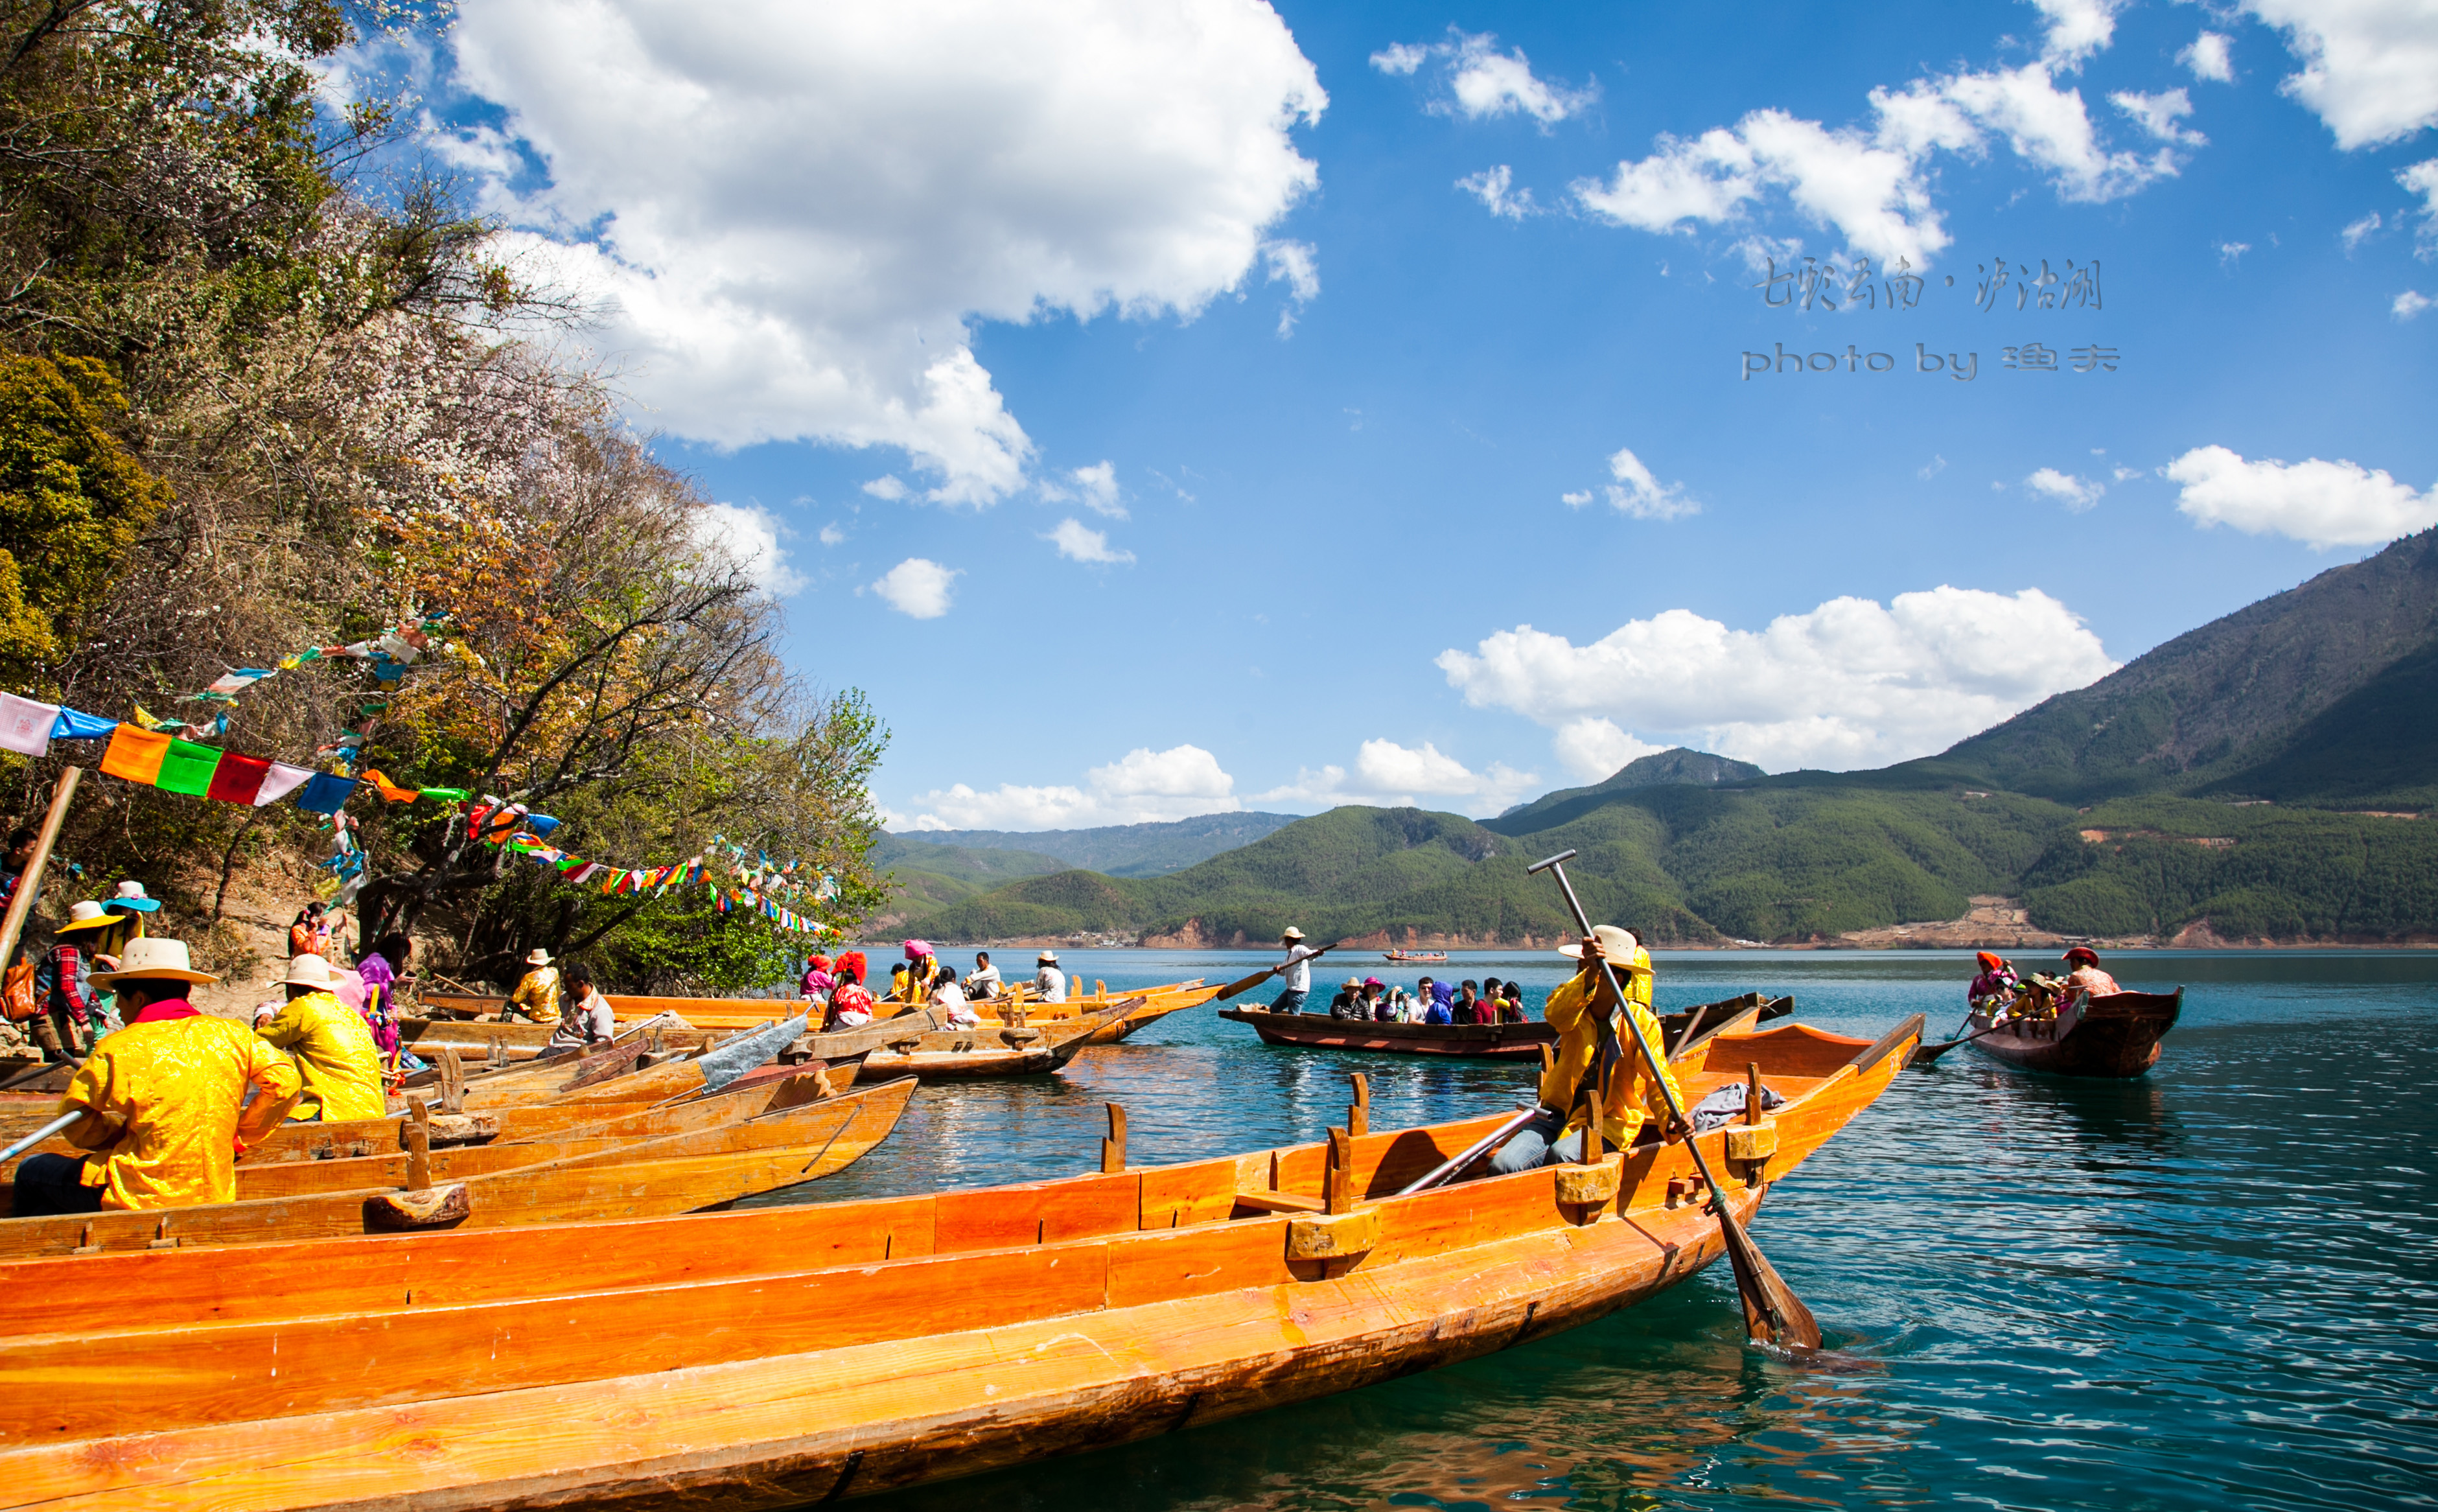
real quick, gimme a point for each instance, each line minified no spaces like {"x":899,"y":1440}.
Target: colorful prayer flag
{"x":26,"y":725}
{"x":325,"y":792}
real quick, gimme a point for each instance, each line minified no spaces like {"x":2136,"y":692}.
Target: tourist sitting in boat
{"x":813,"y":965}
{"x":1511,"y":1006}
{"x":1297,"y":972}
{"x":1418,"y":1007}
{"x":1375,"y":997}
{"x":983,"y":980}
{"x":584,"y":1019}
{"x":1993,"y":992}
{"x":1349,"y":1001}
{"x":850,"y":1003}
{"x":1488,"y":1007}
{"x":537,"y":994}
{"x":1576,"y":1009}
{"x":947,"y":994}
{"x":163,"y":1099}
{"x":1442,"y":1009}
{"x":333,"y":1046}
{"x":1049,"y":982}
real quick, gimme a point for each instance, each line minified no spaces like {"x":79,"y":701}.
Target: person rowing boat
{"x":1626,"y":1093}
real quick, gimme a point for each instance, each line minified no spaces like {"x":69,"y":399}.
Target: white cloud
{"x":2231,"y":253}
{"x":1596,"y":748}
{"x":918,"y":587}
{"x":1144,"y":786}
{"x":2124,"y":474}
{"x":2370,"y":67}
{"x":2159,"y":113}
{"x":1871,"y":185}
{"x":832,"y":536}
{"x":1483,"y":81}
{"x":1852,"y":683}
{"x":2077,"y":494}
{"x":2320,"y":504}
{"x":2410,"y":304}
{"x":748,"y":535}
{"x":1096,"y":486}
{"x":2210,"y":57}
{"x":1296,"y":264}
{"x":2353,"y":235}
{"x":1491,"y":185}
{"x":1079,"y":542}
{"x":1637,"y":493}
{"x":2422,"y":179}
{"x":1388,"y":775}
{"x":1576,"y":500}
{"x":790,"y":215}
{"x":886,"y":487}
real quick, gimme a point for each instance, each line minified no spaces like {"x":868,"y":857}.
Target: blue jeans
{"x":1289,"y":1001}
{"x":1530,"y":1146}
{"x":52,"y":1184}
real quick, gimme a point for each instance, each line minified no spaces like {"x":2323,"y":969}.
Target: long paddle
{"x":1247,"y":983}
{"x":1773,"y":1313}
{"x":1927,"y":1053}
{"x":64,"y":1121}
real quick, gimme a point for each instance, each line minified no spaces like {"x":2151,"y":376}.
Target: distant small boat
{"x":2113,"y":1036}
{"x":1415,"y":955}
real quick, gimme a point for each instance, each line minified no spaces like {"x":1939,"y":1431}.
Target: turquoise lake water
{"x":2212,"y":1287}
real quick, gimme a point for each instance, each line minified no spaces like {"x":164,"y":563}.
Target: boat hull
{"x":2117,"y":1036}
{"x":1318,"y":1032}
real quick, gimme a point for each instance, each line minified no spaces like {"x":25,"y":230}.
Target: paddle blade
{"x":1243,"y":984}
{"x":1773,"y":1313}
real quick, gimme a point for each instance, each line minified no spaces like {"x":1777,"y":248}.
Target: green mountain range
{"x":2260,"y":777}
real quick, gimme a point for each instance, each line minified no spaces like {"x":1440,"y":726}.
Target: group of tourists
{"x":53,"y":1005}
{"x":1490,"y":1001}
{"x":2001,"y":992}
{"x":564,"y":995}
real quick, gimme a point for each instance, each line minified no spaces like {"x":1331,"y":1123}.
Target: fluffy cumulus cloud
{"x":2422,"y":179}
{"x":1594,"y":748}
{"x":749,"y":536}
{"x":1637,"y":493}
{"x":1079,"y":542}
{"x":1495,"y":190}
{"x":2320,"y":504}
{"x":2075,"y":493}
{"x":2411,"y":305}
{"x":2160,"y":114}
{"x":1095,"y":488}
{"x":918,"y":587}
{"x":1852,"y":683}
{"x":2210,"y":56}
{"x":1870,"y":183}
{"x":1144,"y":786}
{"x":1388,"y":775}
{"x":1482,"y":82}
{"x":2370,"y":67}
{"x":789,"y":216}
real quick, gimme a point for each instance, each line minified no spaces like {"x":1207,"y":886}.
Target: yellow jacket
{"x":165,"y":1096}
{"x":536,"y":997}
{"x":335,"y":1054}
{"x":1630,"y":1094}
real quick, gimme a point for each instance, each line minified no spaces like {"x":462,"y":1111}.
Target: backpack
{"x":17,"y":991}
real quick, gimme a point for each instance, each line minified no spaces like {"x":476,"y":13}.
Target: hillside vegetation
{"x":2260,"y":777}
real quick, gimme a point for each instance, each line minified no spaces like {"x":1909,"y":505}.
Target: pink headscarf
{"x":917,"y":949}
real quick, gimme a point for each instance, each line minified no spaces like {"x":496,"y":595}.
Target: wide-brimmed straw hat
{"x":154,"y":958}
{"x":537,"y":956}
{"x":1616,"y":946}
{"x":131,"y":895}
{"x":310,"y":971}
{"x":1292,"y":934}
{"x":87,"y":916}
{"x":2082,"y":952}
{"x":1048,"y":958}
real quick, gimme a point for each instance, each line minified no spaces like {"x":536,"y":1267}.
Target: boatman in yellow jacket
{"x":1628,"y":1094}
{"x":331,"y":1043}
{"x":161,"y":1099}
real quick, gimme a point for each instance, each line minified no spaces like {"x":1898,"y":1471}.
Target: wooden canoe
{"x":2112,"y":1036}
{"x":992,"y":1050}
{"x":676,"y":1174}
{"x":473,"y":1018}
{"x":931,"y":1336}
{"x":1512,"y":1040}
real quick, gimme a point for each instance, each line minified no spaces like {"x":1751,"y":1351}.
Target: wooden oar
{"x":1773,"y":1313}
{"x":1249,"y":983}
{"x":1927,"y":1053}
{"x":64,"y":1121}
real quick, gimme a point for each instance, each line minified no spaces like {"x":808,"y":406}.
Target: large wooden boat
{"x":992,"y":1049}
{"x":1512,"y":1040}
{"x":676,"y":1174}
{"x":789,"y":1357}
{"x":465,"y":1019}
{"x":2112,"y":1036}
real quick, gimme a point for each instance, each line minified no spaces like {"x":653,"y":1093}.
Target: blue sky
{"x":1160,"y":408}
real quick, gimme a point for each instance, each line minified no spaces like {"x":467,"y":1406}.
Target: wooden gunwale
{"x":2115,"y":1036}
{"x":1051,"y":1346}
{"x":721,"y":1013}
{"x":678,"y":1174}
{"x":965,"y":1055}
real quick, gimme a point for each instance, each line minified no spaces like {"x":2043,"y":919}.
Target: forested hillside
{"x":2263,"y":777}
{"x":265,"y":394}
